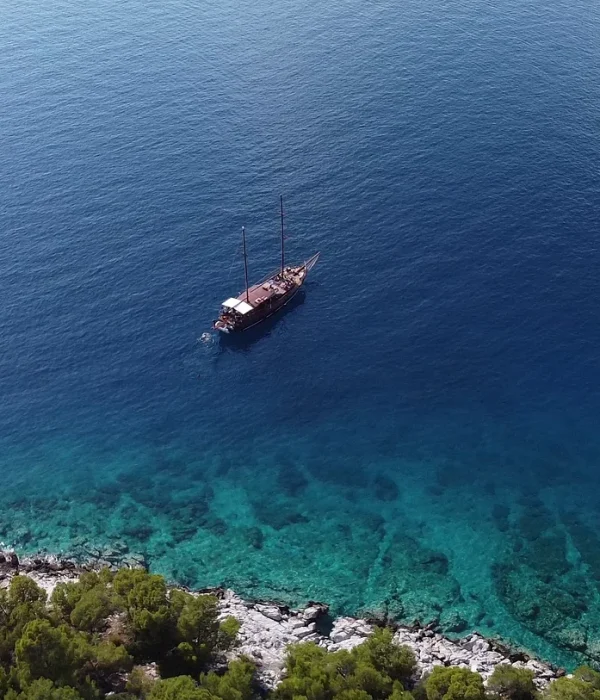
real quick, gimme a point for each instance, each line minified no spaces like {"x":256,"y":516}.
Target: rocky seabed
{"x":267,"y":629}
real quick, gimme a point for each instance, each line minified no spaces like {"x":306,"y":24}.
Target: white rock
{"x":311,"y":613}
{"x":295,"y":623}
{"x":481,"y":645}
{"x":270,"y":611}
{"x":302,"y":632}
{"x":339,"y":636}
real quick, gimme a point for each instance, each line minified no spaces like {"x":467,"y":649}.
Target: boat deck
{"x":261,"y":292}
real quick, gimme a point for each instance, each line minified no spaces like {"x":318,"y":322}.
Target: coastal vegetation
{"x":129,"y":637}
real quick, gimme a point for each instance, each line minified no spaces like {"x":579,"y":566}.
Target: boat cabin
{"x":236,"y":308}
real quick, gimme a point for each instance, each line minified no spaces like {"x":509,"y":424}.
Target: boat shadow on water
{"x":244,"y":340}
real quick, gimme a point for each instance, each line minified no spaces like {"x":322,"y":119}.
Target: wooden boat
{"x":265,"y":298}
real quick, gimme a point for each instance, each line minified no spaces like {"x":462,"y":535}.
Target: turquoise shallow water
{"x":418,"y":434}
{"x":404,"y":526}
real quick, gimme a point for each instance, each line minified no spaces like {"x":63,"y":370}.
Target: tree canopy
{"x":92,"y":632}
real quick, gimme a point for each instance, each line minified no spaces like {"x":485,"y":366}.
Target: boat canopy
{"x":231,"y":303}
{"x":242,"y":307}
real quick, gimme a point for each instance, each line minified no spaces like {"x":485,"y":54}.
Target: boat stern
{"x":222,"y":326}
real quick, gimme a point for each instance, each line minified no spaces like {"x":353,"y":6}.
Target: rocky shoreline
{"x":268,"y":628}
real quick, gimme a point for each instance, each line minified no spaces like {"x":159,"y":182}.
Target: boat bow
{"x":311,"y":262}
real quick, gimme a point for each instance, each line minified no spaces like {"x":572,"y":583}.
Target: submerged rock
{"x":455,"y":623}
{"x":255,"y":537}
{"x":290,"y":478}
{"x":385,"y":488}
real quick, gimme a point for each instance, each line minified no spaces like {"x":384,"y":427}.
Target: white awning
{"x":231,"y":303}
{"x":243,"y":307}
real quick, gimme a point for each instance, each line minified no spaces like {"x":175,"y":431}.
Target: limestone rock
{"x":9,"y":563}
{"x":314,"y":611}
{"x":271,"y":611}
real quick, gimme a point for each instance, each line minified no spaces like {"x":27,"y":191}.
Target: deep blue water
{"x":419,"y":433}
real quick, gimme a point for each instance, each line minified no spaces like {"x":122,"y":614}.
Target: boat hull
{"x":259,"y":318}
{"x":263,"y":300}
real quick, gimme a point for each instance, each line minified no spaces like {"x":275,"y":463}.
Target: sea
{"x":417,"y":436}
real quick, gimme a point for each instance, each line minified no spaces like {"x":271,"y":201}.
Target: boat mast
{"x":245,"y":262}
{"x":282,"y":238}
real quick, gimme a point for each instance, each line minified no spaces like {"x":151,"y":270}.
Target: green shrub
{"x":139,"y":684}
{"x":56,"y":653}
{"x":144,"y":598}
{"x":3,"y":682}
{"x":307,"y":674}
{"x":397,"y":662}
{"x":22,"y":603}
{"x":301,"y":659}
{"x":365,"y":677}
{"x":89,"y":600}
{"x":111,"y":658}
{"x":64,"y":598}
{"x":23,"y":590}
{"x":587,"y":674}
{"x":227,"y":638}
{"x":398,"y":693}
{"x":447,"y":683}
{"x":512,"y":683}
{"x":198,"y":621}
{"x":88,"y":580}
{"x":375,"y":669}
{"x":44,"y":689}
{"x":198,"y":634}
{"x":105,"y":660}
{"x":92,"y":609}
{"x":236,"y":684}
{"x":178,"y":688}
{"x":126,"y":580}
{"x":571,"y":689}
{"x":353,"y":695}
